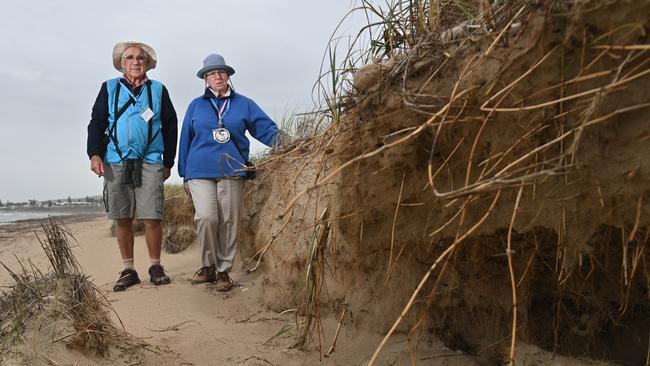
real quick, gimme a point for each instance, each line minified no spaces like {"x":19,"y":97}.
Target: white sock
{"x":154,"y":261}
{"x":128,"y":263}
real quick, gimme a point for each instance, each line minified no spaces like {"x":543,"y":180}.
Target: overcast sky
{"x":56,"y":54}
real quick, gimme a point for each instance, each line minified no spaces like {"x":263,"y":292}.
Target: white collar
{"x":225,"y":95}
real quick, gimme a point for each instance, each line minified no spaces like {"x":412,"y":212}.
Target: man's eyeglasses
{"x":221,"y":73}
{"x":132,"y":58}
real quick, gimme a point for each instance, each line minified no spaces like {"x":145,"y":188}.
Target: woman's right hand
{"x":186,"y":187}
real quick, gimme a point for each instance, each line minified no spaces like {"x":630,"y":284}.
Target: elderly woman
{"x":213,"y":152}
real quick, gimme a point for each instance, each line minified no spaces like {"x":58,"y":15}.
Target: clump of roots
{"x":487,"y":118}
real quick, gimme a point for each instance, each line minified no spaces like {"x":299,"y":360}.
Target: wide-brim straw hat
{"x":214,"y":61}
{"x":120,"y":47}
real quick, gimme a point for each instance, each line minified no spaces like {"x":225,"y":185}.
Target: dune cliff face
{"x":512,"y":173}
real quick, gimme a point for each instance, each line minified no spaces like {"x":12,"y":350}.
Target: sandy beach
{"x":201,"y":326}
{"x":194,"y":324}
{"x":185,"y":324}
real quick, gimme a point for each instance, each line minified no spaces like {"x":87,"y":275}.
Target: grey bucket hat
{"x":214,"y":61}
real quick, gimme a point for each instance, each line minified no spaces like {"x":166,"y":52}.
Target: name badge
{"x":221,"y":135}
{"x":147,"y":114}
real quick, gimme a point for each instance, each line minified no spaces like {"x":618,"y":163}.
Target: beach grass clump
{"x":173,"y":189}
{"x":179,"y":210}
{"x":23,"y":299}
{"x":313,"y":285}
{"x":62,"y":300}
{"x":179,"y":231}
{"x":178,"y":238}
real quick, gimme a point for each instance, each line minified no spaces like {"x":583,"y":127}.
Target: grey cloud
{"x":57,"y":53}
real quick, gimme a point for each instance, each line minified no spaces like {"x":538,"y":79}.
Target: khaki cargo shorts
{"x":123,"y":201}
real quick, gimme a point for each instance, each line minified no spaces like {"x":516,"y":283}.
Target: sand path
{"x":196,"y":325}
{"x":195,"y":322}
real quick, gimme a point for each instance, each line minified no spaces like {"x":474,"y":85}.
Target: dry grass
{"x":179,"y":230}
{"x":313,"y":285}
{"x":62,"y":298}
{"x":446,"y":47}
{"x":178,"y":238}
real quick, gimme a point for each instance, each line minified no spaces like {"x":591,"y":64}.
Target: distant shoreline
{"x":98,"y":208}
{"x":71,"y":216}
{"x":10,"y":229}
{"x":17,"y":215}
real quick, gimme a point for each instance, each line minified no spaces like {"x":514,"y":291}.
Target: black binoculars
{"x":132,"y":172}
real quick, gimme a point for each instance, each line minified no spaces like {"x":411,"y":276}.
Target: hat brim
{"x":120,"y":47}
{"x":207,"y":69}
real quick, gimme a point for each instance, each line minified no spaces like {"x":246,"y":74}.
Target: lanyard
{"x":220,"y":111}
{"x":137,"y":101}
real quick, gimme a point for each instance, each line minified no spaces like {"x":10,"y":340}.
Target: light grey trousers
{"x":217,"y":204}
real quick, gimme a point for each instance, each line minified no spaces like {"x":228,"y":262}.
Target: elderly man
{"x":132,"y":143}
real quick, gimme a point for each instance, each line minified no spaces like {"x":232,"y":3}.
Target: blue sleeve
{"x":260,"y":125}
{"x":186,"y":140}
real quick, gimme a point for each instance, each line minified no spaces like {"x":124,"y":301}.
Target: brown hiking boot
{"x":128,"y":278}
{"x":224,"y":282}
{"x":204,"y":274}
{"x":158,"y":276}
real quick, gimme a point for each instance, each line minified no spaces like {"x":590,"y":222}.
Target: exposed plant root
{"x":524,"y":105}
{"x":424,"y":279}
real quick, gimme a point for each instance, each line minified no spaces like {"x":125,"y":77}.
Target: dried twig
{"x":368,"y":155}
{"x":509,"y":253}
{"x":392,"y":233}
{"x":496,"y":40}
{"x":336,"y":334}
{"x":175,"y":327}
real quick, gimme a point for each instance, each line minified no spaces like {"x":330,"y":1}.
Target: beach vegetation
{"x":482,"y":165}
{"x":61,"y":299}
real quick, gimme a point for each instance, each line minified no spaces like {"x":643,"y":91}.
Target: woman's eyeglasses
{"x":221,"y":73}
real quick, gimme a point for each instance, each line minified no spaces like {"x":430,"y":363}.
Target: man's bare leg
{"x":153,"y":236}
{"x":124,"y":234}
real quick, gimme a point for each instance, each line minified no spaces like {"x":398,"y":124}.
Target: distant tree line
{"x":48,"y":203}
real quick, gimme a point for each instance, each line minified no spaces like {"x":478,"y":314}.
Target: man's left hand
{"x":166,"y":172}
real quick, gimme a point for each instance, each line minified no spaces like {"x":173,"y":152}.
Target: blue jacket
{"x":200,"y":156}
{"x":132,"y":131}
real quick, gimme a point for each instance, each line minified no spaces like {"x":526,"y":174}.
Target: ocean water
{"x":9,"y":216}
